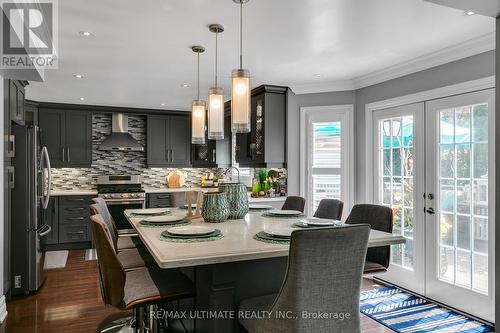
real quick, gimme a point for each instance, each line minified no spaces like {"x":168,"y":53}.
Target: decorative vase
{"x":237,"y":199}
{"x":215,"y":207}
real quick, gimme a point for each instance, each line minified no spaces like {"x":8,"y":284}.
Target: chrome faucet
{"x":229,"y":169}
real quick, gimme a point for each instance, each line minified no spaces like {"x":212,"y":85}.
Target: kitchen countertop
{"x":60,"y":193}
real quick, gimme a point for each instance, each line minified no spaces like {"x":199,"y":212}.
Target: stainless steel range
{"x":121,"y":192}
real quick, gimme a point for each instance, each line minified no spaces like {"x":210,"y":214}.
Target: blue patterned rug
{"x":405,"y":313}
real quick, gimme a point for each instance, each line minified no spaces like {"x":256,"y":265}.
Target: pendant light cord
{"x":241,"y":35}
{"x":198,"y":75}
{"x":216,"y":56}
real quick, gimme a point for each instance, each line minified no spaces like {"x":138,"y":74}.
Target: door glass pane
{"x":396,"y":158}
{"x":326,"y":162}
{"x":463,"y":196}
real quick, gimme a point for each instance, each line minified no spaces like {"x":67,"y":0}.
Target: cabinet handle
{"x":63,"y":156}
{"x":75,"y":233}
{"x":10,"y":171}
{"x":171,"y":155}
{"x":75,"y":199}
{"x":67,"y":154}
{"x":75,"y":218}
{"x":76,"y":208}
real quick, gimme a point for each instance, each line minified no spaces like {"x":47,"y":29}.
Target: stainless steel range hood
{"x":119,"y":138}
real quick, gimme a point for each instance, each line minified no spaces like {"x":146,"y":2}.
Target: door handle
{"x":430,"y":211}
{"x":10,"y":171}
{"x":12,"y":146}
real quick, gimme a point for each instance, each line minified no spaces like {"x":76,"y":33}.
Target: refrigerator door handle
{"x":46,"y":230}
{"x":46,"y":182}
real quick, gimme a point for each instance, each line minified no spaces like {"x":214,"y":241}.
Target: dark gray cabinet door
{"x":157,"y":134}
{"x":78,"y":139}
{"x":180,"y":141}
{"x":51,"y":218}
{"x":53,"y":135}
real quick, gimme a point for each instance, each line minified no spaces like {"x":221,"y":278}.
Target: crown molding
{"x":320,"y":87}
{"x":466,"y":49}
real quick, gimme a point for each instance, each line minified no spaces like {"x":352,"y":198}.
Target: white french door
{"x":399,"y":156}
{"x":460,"y":201}
{"x":326,"y":155}
{"x":433,"y":165}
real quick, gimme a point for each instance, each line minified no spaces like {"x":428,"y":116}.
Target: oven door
{"x":116,"y":209}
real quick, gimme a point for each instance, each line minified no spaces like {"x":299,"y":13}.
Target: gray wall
{"x":467,"y":69}
{"x":295,"y":102}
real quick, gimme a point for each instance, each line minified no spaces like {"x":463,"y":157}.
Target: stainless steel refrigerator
{"x":30,"y":196}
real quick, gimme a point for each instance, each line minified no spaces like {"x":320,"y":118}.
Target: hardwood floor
{"x":70,"y":301}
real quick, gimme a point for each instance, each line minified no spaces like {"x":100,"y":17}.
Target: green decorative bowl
{"x":237,"y":198}
{"x":215,"y":207}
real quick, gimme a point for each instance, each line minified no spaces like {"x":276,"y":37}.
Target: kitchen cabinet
{"x":159,"y":200}
{"x":16,"y":97}
{"x":69,"y":218}
{"x":68,"y":137}
{"x":265,"y":145}
{"x":169,"y":141}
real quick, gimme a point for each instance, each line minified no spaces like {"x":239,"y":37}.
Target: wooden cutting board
{"x":176,"y":179}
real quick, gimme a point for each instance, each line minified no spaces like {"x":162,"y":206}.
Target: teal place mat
{"x":134,"y":215}
{"x":147,"y":224}
{"x":163,"y":236}
{"x":263,"y":237}
{"x":283,"y":216}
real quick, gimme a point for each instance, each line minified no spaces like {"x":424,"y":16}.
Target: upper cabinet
{"x":14,"y":112}
{"x":67,"y":135}
{"x":169,"y":141}
{"x":265,"y":145}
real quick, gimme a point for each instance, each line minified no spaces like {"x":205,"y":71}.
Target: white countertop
{"x":236,"y":245}
{"x":59,"y":193}
{"x":265,"y":199}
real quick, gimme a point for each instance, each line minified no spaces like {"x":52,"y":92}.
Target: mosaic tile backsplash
{"x":115,"y":162}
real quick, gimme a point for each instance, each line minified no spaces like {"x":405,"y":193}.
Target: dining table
{"x":232,"y":267}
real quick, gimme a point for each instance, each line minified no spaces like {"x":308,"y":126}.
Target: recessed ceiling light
{"x":317,"y":75}
{"x":82,"y":98}
{"x":162,"y":104}
{"x":86,"y":33}
{"x":185,"y":85}
{"x":469,"y":12}
{"x":78,"y":76}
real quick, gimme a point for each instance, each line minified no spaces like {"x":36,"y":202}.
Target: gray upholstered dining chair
{"x":379,"y":218}
{"x":121,"y":242}
{"x":324,"y":275}
{"x":135,"y":289}
{"x":329,"y":209}
{"x":130,"y":258}
{"x":294,"y":203}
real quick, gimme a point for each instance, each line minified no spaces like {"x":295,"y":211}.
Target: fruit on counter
{"x":262,"y":194}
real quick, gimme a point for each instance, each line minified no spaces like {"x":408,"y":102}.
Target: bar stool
{"x":121,"y":242}
{"x":130,"y":258}
{"x":294,"y":203}
{"x":329,"y":209}
{"x":324,"y":276}
{"x":379,"y":218}
{"x":139,"y":290}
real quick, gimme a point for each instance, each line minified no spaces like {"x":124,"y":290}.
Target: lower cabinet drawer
{"x":74,"y":233}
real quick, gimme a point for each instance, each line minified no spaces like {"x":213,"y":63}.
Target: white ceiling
{"x":140,"y":53}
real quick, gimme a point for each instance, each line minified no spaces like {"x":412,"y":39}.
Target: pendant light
{"x":240,"y":95}
{"x":198,"y":108}
{"x":216,"y":97}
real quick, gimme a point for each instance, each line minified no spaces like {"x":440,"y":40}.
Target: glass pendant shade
{"x":198,"y":122}
{"x":215,"y":114}
{"x":240,"y":101}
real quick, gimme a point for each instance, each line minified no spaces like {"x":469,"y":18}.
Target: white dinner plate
{"x":279,"y":231}
{"x":150,"y":211}
{"x":260,"y":207}
{"x":164,"y":218}
{"x":314,"y":221}
{"x":191,"y":230}
{"x":284,"y":212}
